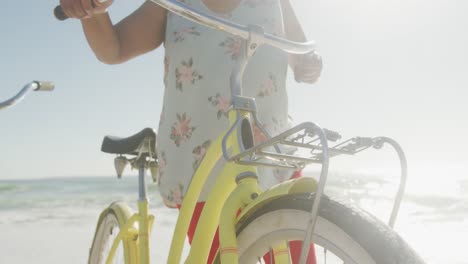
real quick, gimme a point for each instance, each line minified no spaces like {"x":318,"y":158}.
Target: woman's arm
{"x":292,"y":27}
{"x":308,"y":67}
{"x":138,"y":33}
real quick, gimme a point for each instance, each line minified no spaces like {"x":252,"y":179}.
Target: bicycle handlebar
{"x":233,"y":28}
{"x":32,"y":86}
{"x":214,"y":22}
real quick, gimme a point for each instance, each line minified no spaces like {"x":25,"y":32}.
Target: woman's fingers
{"x":73,"y":8}
{"x":102,"y":5}
{"x":79,"y":10}
{"x":308,"y":68}
{"x":84,"y":8}
{"x":66,"y":7}
{"x":307,"y":78}
{"x":88,"y":7}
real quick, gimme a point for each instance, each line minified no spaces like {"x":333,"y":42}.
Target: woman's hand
{"x":307,"y":67}
{"x":84,"y":8}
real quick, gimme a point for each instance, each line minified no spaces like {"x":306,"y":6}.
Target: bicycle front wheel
{"x":109,"y":225}
{"x":349,"y":234}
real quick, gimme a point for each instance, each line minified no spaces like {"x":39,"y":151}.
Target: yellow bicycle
{"x":268,"y":220}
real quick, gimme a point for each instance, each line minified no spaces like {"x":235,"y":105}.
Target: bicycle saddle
{"x":129,"y":145}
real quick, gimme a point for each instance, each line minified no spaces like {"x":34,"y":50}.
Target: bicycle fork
{"x":247,"y":190}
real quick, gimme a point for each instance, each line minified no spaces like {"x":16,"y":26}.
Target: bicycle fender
{"x":121,"y":210}
{"x":123,"y":213}
{"x":299,"y":185}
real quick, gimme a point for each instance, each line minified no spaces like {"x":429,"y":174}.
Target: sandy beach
{"x":53,"y":220}
{"x":58,"y":242}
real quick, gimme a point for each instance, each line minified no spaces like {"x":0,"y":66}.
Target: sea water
{"x":36,"y":215}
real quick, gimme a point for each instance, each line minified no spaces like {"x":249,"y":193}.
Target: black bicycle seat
{"x":128,"y":145}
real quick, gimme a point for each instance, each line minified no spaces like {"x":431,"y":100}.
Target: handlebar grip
{"x":44,"y":86}
{"x":59,"y":14}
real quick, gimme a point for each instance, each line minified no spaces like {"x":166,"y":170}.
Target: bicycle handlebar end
{"x":59,"y":14}
{"x":44,"y":86}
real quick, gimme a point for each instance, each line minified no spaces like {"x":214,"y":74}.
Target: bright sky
{"x":396,"y":68}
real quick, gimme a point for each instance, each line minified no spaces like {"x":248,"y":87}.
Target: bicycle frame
{"x":236,"y":187}
{"x":225,"y":185}
{"x":226,"y":198}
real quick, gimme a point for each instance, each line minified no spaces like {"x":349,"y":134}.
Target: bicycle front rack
{"x":309,"y":150}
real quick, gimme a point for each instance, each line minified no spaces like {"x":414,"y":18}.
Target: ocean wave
{"x":463,"y":185}
{"x":7,"y":187}
{"x":61,"y":197}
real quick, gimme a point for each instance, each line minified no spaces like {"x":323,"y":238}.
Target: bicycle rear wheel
{"x":109,"y":225}
{"x":350,"y":234}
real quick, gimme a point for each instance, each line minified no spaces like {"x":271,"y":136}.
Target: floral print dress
{"x":198,"y":63}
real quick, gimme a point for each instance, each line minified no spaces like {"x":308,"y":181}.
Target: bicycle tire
{"x":348,"y":232}
{"x":109,"y":224}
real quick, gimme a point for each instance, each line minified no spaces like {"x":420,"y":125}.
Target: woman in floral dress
{"x":198,"y":63}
